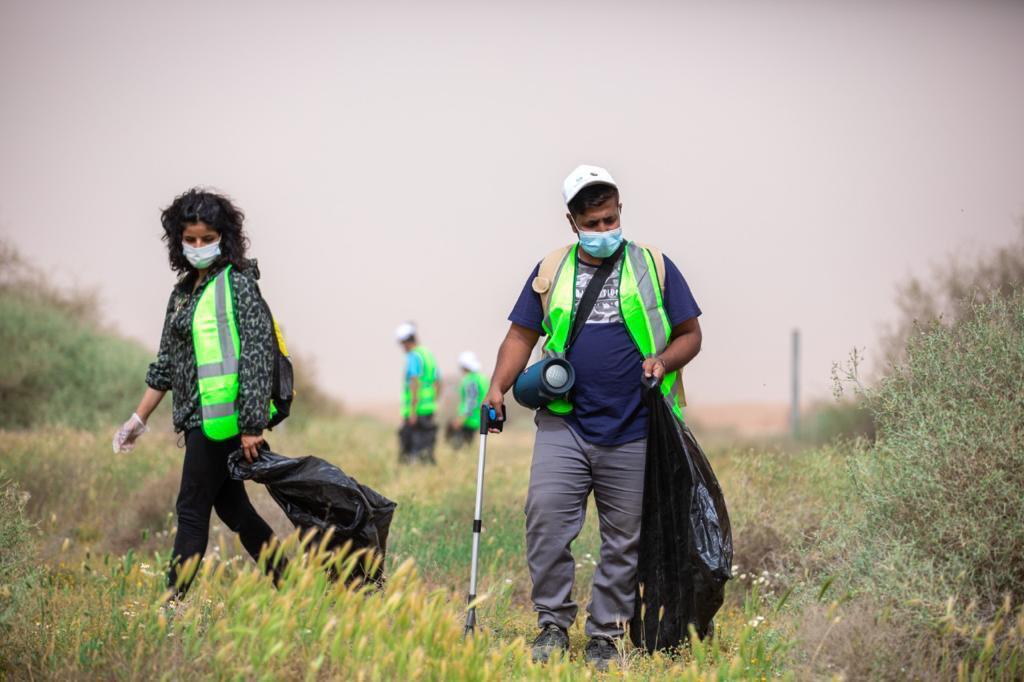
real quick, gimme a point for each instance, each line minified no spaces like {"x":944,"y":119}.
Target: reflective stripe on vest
{"x":470,"y":409}
{"x":426,"y":402}
{"x":217,"y":347}
{"x":641,"y":307}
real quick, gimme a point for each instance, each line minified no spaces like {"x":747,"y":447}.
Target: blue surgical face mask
{"x":203,"y":256}
{"x":601,"y":244}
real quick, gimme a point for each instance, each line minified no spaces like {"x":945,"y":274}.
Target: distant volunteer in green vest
{"x":642,"y":324}
{"x":421,"y":390}
{"x":472,"y":389}
{"x":216,"y":355}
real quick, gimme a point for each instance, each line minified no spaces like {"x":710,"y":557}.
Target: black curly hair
{"x":216,"y":210}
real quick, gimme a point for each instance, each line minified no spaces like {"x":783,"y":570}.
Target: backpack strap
{"x":546,"y":275}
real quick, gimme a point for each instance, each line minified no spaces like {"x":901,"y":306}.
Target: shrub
{"x":58,"y":364}
{"x":942,"y":486}
{"x":59,"y":369}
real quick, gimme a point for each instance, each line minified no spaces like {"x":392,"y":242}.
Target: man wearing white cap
{"x":472,"y":389}
{"x":421,"y":389}
{"x":641,"y":325}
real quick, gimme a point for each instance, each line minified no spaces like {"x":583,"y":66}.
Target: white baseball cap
{"x":405,"y":331}
{"x":468,"y":360}
{"x":584,"y":176}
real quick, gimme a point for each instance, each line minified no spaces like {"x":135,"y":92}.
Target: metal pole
{"x":477,"y":525}
{"x":488,"y":420}
{"x":794,"y":407}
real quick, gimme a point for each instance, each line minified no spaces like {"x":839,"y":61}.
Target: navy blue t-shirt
{"x":607,"y":405}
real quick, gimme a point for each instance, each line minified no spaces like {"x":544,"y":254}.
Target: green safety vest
{"x":471,"y":411}
{"x":427,"y":395}
{"x":642,"y":309}
{"x":217,"y":347}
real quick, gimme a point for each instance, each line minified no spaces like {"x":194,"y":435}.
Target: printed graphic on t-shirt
{"x":606,"y":308}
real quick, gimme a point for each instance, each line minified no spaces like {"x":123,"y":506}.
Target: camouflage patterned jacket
{"x":175,"y":366}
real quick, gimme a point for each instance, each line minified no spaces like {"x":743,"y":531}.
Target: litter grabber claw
{"x":488,"y":420}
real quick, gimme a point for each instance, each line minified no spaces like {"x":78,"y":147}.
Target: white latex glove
{"x":124,"y":439}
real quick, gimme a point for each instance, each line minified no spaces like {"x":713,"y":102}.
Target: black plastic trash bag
{"x":317,"y":495}
{"x":685,"y":537}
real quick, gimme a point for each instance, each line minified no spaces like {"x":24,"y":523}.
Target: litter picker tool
{"x":488,"y":420}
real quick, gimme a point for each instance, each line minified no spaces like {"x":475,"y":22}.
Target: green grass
{"x":97,"y":608}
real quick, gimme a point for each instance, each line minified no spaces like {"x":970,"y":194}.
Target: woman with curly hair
{"x":216,"y":356}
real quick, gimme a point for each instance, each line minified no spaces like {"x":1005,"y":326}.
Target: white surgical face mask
{"x":202,"y":256}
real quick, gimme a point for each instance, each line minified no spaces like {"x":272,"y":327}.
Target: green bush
{"x":942,"y":486}
{"x":60,"y":369}
{"x":59,"y":366}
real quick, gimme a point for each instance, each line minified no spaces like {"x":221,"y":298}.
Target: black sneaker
{"x":550,"y":638}
{"x":600,"y":652}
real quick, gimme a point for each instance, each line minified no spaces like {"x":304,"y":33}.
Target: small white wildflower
{"x":579,"y":565}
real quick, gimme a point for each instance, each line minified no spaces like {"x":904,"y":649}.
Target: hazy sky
{"x":404,"y":160}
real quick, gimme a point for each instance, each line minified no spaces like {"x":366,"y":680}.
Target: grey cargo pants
{"x":565,"y":469}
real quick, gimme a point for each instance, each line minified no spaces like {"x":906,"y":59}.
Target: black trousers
{"x":205,"y":485}
{"x":459,"y":437}
{"x":416,"y":441}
